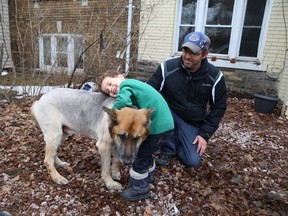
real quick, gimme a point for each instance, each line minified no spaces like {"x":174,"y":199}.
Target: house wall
{"x":163,"y":21}
{"x":102,"y":23}
{"x":5,"y":36}
{"x":158,"y":24}
{"x":277,"y":46}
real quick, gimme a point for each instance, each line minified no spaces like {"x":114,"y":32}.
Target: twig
{"x":80,"y":57}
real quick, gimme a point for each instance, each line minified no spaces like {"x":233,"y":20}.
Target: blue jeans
{"x":181,"y":143}
{"x":144,"y":158}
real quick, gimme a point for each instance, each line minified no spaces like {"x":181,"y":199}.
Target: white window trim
{"x":248,"y":63}
{"x":84,"y":2}
{"x":70,"y":52}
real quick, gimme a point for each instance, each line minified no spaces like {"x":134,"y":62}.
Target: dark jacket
{"x":199,"y":98}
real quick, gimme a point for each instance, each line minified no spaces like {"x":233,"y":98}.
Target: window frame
{"x":223,"y":60}
{"x":84,"y":2}
{"x":70,"y":52}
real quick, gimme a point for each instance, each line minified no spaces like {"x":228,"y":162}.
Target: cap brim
{"x":194,"y":48}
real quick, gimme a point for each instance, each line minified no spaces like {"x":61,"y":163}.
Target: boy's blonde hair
{"x":103,"y":76}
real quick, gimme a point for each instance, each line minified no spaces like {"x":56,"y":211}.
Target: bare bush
{"x":101,"y":28}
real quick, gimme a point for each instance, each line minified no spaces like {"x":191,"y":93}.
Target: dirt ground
{"x":244,"y":171}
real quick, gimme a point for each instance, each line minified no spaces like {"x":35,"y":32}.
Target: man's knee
{"x":192,"y":161}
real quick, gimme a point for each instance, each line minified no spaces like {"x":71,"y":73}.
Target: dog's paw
{"x":60,"y":163}
{"x":63,"y":164}
{"x":60,"y":180}
{"x":116,"y":176}
{"x":114,"y":186}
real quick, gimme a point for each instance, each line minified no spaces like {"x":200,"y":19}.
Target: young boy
{"x":134,"y":92}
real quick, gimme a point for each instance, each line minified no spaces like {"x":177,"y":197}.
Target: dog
{"x":118,"y":133}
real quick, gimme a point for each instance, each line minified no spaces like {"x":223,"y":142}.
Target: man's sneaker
{"x":164,"y":160}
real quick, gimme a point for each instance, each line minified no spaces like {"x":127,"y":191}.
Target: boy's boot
{"x":138,"y":187}
{"x":151,"y":173}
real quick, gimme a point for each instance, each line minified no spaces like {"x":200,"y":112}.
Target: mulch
{"x":244,"y":171}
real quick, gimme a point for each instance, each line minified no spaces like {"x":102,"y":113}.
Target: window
{"x":61,"y":52}
{"x":236,"y":28}
{"x":84,"y":2}
{"x":251,"y":29}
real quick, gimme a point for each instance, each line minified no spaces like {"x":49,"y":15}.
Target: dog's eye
{"x":122,"y":136}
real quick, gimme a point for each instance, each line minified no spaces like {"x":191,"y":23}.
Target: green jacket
{"x":142,"y":95}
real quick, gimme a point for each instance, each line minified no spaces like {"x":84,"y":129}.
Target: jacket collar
{"x":202,"y":71}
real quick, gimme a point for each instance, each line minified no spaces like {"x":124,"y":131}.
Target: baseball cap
{"x":196,"y":42}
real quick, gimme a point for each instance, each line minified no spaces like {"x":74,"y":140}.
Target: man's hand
{"x":202,"y":144}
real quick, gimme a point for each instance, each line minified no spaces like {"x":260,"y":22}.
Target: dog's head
{"x":128,"y":128}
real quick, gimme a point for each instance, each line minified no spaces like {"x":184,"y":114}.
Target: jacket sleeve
{"x":156,"y":79}
{"x":123,"y":98}
{"x":217,"y":110}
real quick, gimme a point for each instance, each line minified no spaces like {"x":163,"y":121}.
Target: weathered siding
{"x":158,"y":25}
{"x":5,"y":36}
{"x":276,"y":45}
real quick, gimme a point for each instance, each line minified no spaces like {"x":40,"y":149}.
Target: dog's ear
{"x":111,"y":113}
{"x":149,"y":112}
{"x":148,"y":123}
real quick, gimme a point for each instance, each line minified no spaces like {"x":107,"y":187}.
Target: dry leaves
{"x":244,"y":171}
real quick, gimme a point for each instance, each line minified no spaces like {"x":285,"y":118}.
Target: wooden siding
{"x":156,"y":38}
{"x":5,"y":36}
{"x":276,"y":45}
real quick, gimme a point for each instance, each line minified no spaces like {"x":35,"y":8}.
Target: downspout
{"x":129,"y":27}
